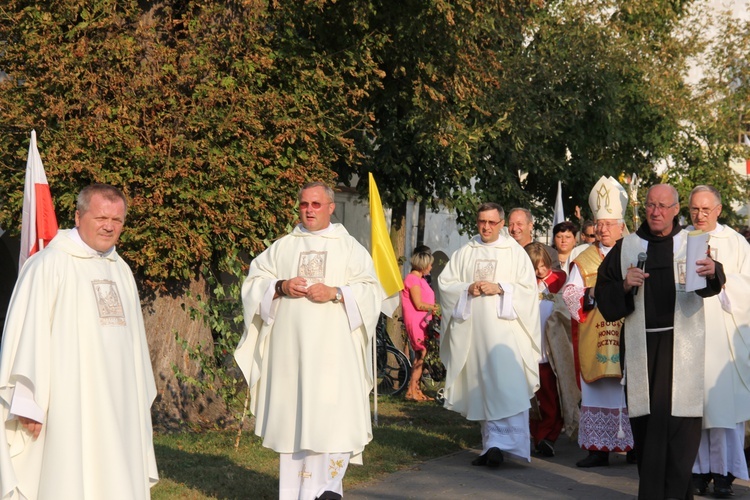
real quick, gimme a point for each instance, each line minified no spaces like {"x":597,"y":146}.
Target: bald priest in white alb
{"x":76,"y":384}
{"x":311,"y":303}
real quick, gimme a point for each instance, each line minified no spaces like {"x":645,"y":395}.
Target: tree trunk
{"x":420,"y":223}
{"x":398,"y":240}
{"x":177,"y":403}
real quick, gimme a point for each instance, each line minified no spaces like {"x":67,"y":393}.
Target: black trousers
{"x":666,"y":446}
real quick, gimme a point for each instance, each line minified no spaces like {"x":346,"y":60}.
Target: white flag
{"x":559,"y":215}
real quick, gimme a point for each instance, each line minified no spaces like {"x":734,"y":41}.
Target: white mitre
{"x":608,"y":199}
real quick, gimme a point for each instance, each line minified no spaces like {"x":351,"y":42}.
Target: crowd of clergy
{"x":662,"y":376}
{"x":636,"y":343}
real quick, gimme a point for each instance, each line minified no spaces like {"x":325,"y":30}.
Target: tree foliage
{"x":718,"y":120}
{"x":209,"y":115}
{"x":500,"y":100}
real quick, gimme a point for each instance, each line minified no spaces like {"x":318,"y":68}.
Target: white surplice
{"x":604,"y":423}
{"x":727,"y":368}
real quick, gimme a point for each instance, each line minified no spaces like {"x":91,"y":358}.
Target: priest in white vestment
{"x":311,"y":303}
{"x":726,"y":404}
{"x":76,"y":383}
{"x":492,"y":338}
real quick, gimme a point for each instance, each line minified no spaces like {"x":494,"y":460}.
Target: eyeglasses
{"x":491,"y":223}
{"x":660,"y":206}
{"x":314,"y":204}
{"x":592,"y":235}
{"x":702,"y":211}
{"x":603,"y":225}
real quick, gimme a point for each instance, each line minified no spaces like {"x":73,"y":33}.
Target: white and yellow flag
{"x":386,"y":265}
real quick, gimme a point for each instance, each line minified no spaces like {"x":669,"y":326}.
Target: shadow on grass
{"x":427,"y":421}
{"x":408,"y":434}
{"x":215,"y":476}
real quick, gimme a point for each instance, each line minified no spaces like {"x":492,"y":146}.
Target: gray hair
{"x":109,"y":193}
{"x":310,"y":185}
{"x":526,"y":211}
{"x":706,"y":189}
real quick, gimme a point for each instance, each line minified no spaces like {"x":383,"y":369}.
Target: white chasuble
{"x":75,"y":336}
{"x":309,"y":374}
{"x":491,"y":360}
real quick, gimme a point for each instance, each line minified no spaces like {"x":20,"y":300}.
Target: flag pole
{"x":387,"y":270}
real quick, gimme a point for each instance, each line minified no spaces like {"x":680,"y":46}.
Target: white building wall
{"x":441,"y":229}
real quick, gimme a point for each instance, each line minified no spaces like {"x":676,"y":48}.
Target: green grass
{"x":205,"y":465}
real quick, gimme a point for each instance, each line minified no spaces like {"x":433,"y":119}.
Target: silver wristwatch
{"x":338,"y":296}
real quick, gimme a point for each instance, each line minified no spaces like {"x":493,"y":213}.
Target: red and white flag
{"x":38,"y":223}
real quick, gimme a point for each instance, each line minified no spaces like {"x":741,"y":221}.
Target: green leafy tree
{"x":500,"y":100}
{"x":209,"y":115}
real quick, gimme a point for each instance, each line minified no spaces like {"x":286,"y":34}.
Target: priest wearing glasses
{"x":491,"y":343}
{"x":311,"y":303}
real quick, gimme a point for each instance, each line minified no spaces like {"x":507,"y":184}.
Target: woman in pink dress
{"x":418,"y":304}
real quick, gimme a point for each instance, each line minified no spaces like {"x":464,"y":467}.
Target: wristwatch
{"x":338,"y":296}
{"x":279,"y":289}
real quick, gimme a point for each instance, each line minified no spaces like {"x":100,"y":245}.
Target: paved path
{"x":453,"y":476}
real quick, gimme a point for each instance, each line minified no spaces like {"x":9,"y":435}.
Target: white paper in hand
{"x":697,"y":247}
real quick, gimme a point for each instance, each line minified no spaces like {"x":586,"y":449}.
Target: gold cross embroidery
{"x":303,"y":474}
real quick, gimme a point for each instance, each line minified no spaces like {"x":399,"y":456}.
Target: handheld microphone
{"x":641,"y":265}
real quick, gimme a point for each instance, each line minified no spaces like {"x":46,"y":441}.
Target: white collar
{"x":75,"y":236}
{"x":320,"y":231}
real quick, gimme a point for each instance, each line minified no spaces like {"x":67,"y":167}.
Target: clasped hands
{"x":318,"y":292}
{"x":484,"y":288}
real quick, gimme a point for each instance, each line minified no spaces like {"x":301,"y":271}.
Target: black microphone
{"x":641,"y":265}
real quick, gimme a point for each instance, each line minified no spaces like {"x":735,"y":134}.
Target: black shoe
{"x":329,"y":495}
{"x":480,"y":460}
{"x":546,"y":448}
{"x":595,"y":459}
{"x":700,"y":483}
{"x":723,"y":486}
{"x":631,"y":457}
{"x":494,"y":457}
